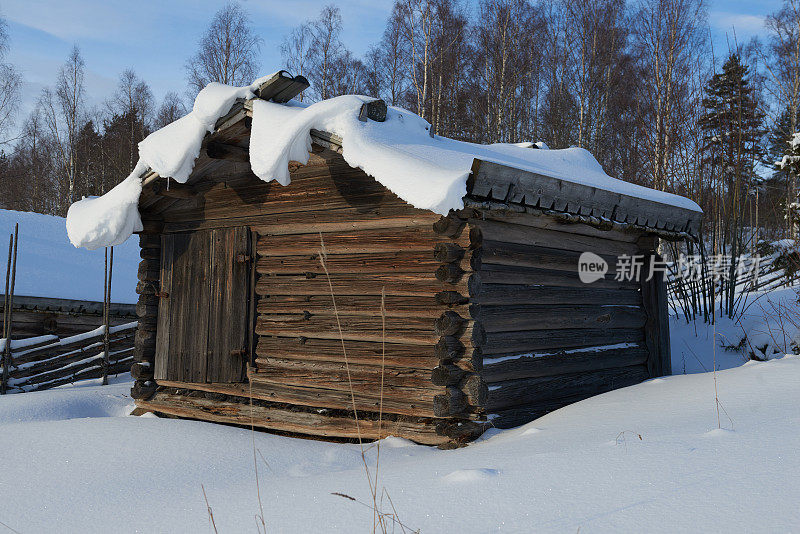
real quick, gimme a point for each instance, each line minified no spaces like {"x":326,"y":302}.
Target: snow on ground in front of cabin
{"x":49,"y":266}
{"x":770,"y":318}
{"x":647,"y":458}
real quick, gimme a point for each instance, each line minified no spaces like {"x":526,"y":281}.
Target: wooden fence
{"x":48,"y":361}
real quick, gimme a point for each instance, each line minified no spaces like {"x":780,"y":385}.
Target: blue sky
{"x":156,"y":37}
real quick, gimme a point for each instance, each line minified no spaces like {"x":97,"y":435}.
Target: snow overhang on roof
{"x":393,"y":145}
{"x":493,"y":183}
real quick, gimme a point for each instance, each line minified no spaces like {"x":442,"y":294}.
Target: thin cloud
{"x":745,"y":25}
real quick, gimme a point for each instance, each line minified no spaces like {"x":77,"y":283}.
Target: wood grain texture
{"x":530,"y":391}
{"x":277,"y":417}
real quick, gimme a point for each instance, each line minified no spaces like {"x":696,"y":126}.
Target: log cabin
{"x":330,"y":307}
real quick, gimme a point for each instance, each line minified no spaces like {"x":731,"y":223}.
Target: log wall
{"x":438,"y":325}
{"x":545,"y":338}
{"x":396,"y":284}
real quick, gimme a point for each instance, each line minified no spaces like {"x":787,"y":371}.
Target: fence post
{"x":107,"y":312}
{"x":9,"y":306}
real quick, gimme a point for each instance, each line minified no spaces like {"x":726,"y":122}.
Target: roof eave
{"x":494,"y":183}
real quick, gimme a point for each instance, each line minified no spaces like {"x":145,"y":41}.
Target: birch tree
{"x":10,"y":86}
{"x":227,"y":51}
{"x":667,"y":37}
{"x":63,"y":111}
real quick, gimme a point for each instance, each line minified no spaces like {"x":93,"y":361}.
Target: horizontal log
{"x":508,"y":342}
{"x":404,"y":284}
{"x":511,"y":294}
{"x":143,"y":389}
{"x":356,"y":328}
{"x":534,"y":365}
{"x":548,"y":222}
{"x":449,"y":226}
{"x":359,"y":352}
{"x":398,"y":382}
{"x":147,"y":300}
{"x":448,"y":252}
{"x":449,"y":323}
{"x":481,"y":230}
{"x":143,"y":353}
{"x":512,"y":417}
{"x":313,"y":221}
{"x":145,"y":338}
{"x":224,"y":151}
{"x":150,"y":254}
{"x":57,"y":349}
{"x":45,"y":342}
{"x":418,"y":238}
{"x":124,"y":355}
{"x":450,"y":273}
{"x":447,"y":374}
{"x":394,"y":306}
{"x":63,"y":359}
{"x":450,"y":348}
{"x":475,"y":389}
{"x":148,"y":275}
{"x":516,"y":255}
{"x":529,"y":391}
{"x":451,"y":298}
{"x":146,"y":310}
{"x":499,"y":318}
{"x":276,"y":391}
{"x":379,"y":262}
{"x":91,"y":372}
{"x":141,"y":371}
{"x":169,"y":188}
{"x":311,"y":189}
{"x":331,"y":220}
{"x":150,"y":241}
{"x":505,"y":274}
{"x":451,"y":402}
{"x":146,"y":287}
{"x":290,"y":420}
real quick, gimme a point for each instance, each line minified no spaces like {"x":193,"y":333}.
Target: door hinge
{"x":239,"y":352}
{"x":162,"y":295}
{"x":243,"y":258}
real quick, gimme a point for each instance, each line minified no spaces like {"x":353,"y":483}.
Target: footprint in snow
{"x":531,"y":430}
{"x":471,"y":475}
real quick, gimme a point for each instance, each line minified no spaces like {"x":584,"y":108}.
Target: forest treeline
{"x":638,"y":84}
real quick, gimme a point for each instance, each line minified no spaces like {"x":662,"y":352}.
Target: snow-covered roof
{"x":427,"y":171}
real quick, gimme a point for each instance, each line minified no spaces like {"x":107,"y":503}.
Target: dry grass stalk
{"x":260,"y":516}
{"x":210,"y":512}
{"x":379,"y":518}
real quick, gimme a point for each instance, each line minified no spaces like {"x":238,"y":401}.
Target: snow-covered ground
{"x":49,"y":266}
{"x":648,"y":458}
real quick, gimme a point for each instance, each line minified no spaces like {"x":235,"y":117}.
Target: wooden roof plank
{"x":494,"y":181}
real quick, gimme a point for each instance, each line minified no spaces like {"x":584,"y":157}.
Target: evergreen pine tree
{"x":733,"y":132}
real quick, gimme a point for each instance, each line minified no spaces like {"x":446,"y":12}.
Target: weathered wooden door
{"x":203,"y":325}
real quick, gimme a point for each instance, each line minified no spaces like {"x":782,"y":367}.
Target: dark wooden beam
{"x":173,"y":189}
{"x":230,"y":152}
{"x":282,"y":87}
{"x":375,"y":110}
